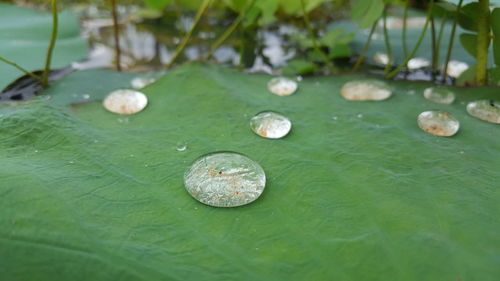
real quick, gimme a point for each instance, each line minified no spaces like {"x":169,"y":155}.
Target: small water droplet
{"x":381,"y":58}
{"x":123,"y":120}
{"x":282,"y":86}
{"x":71,"y":162}
{"x":335,"y":118}
{"x":132,"y":155}
{"x":125,"y":101}
{"x":366,"y":90}
{"x":456,"y":68}
{"x":225,"y":179}
{"x":439,"y":123}
{"x":461,"y":152}
{"x":359,"y":115}
{"x":86,"y":97}
{"x":416,"y":63}
{"x":146,"y":165}
{"x":439,"y":95}
{"x":486,"y":110}
{"x":411,"y":92}
{"x":141,"y":82}
{"x":270,"y":125}
{"x":181,"y":148}
{"x":299,"y":78}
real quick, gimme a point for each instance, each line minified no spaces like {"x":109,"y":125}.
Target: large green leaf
{"x":356,"y":192}
{"x":24,"y":38}
{"x":469,"y":42}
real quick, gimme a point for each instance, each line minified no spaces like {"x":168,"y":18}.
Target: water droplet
{"x":125,"y":101}
{"x":439,"y":95}
{"x":455,"y":68}
{"x":282,"y":86}
{"x":439,"y":123}
{"x":365,"y":90}
{"x":225,"y":179}
{"x":141,"y":82}
{"x":299,"y":78}
{"x":381,"y":58}
{"x":359,"y":115}
{"x":86,"y":97}
{"x":181,"y":148}
{"x":335,"y":118}
{"x":270,"y":125}
{"x":486,"y":110}
{"x":36,"y":150}
{"x":123,"y":120}
{"x":71,"y":162}
{"x":416,"y":63}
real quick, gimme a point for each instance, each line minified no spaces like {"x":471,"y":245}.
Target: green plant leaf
{"x":299,"y":67}
{"x":25,"y":35}
{"x":469,"y":42}
{"x":467,"y":18}
{"x":91,"y":194}
{"x":157,"y":4}
{"x":366,"y":12}
{"x":495,"y":28}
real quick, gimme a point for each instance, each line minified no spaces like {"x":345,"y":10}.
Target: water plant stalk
{"x":316,"y":47}
{"x":433,"y":48}
{"x":395,"y":72}
{"x":25,"y":71}
{"x":230,"y":30}
{"x":116,"y":35}
{"x":405,"y":24}
{"x":452,"y":40}
{"x":387,"y":42}
{"x":50,"y":50}
{"x":361,"y":56}
{"x":439,"y":39}
{"x":483,"y":42}
{"x":187,"y":37}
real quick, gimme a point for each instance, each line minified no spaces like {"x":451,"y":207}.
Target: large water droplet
{"x":439,"y":95}
{"x":439,"y":123}
{"x":270,"y":125}
{"x":416,"y":63}
{"x":125,"y":101}
{"x":282,"y":86}
{"x":487,"y":110}
{"x":225,"y":179}
{"x":381,"y":59}
{"x":365,"y":90}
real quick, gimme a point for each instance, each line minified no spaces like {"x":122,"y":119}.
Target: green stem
{"x":116,"y":35}
{"x":483,"y":42}
{"x":405,"y":19}
{"x":393,"y":73}
{"x":316,"y":47}
{"x":53,"y":37}
{"x":439,"y":39}
{"x":188,"y":35}
{"x":361,"y":56}
{"x":387,"y":45}
{"x":230,"y":30}
{"x":27,"y":72}
{"x":452,"y":40}
{"x":434,"y":48}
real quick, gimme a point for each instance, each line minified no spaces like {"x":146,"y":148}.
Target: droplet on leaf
{"x":455,"y":68}
{"x":365,"y":90}
{"x":270,"y":125}
{"x":439,"y":95}
{"x":125,"y":101}
{"x":225,"y":179}
{"x":141,"y":82}
{"x":439,"y":123}
{"x":282,"y":86}
{"x":486,"y":110}
{"x":381,"y":59}
{"x":416,"y":63}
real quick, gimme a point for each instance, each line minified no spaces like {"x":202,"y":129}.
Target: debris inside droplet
{"x":439,"y":95}
{"x":439,"y":123}
{"x":366,"y":90}
{"x":486,"y":110}
{"x":225,"y":179}
{"x":455,"y":68}
{"x":141,"y":82}
{"x":270,"y":125}
{"x":125,"y":101}
{"x":282,"y":86}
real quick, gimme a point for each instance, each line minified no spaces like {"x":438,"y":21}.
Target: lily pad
{"x":356,"y":192}
{"x":25,"y":36}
